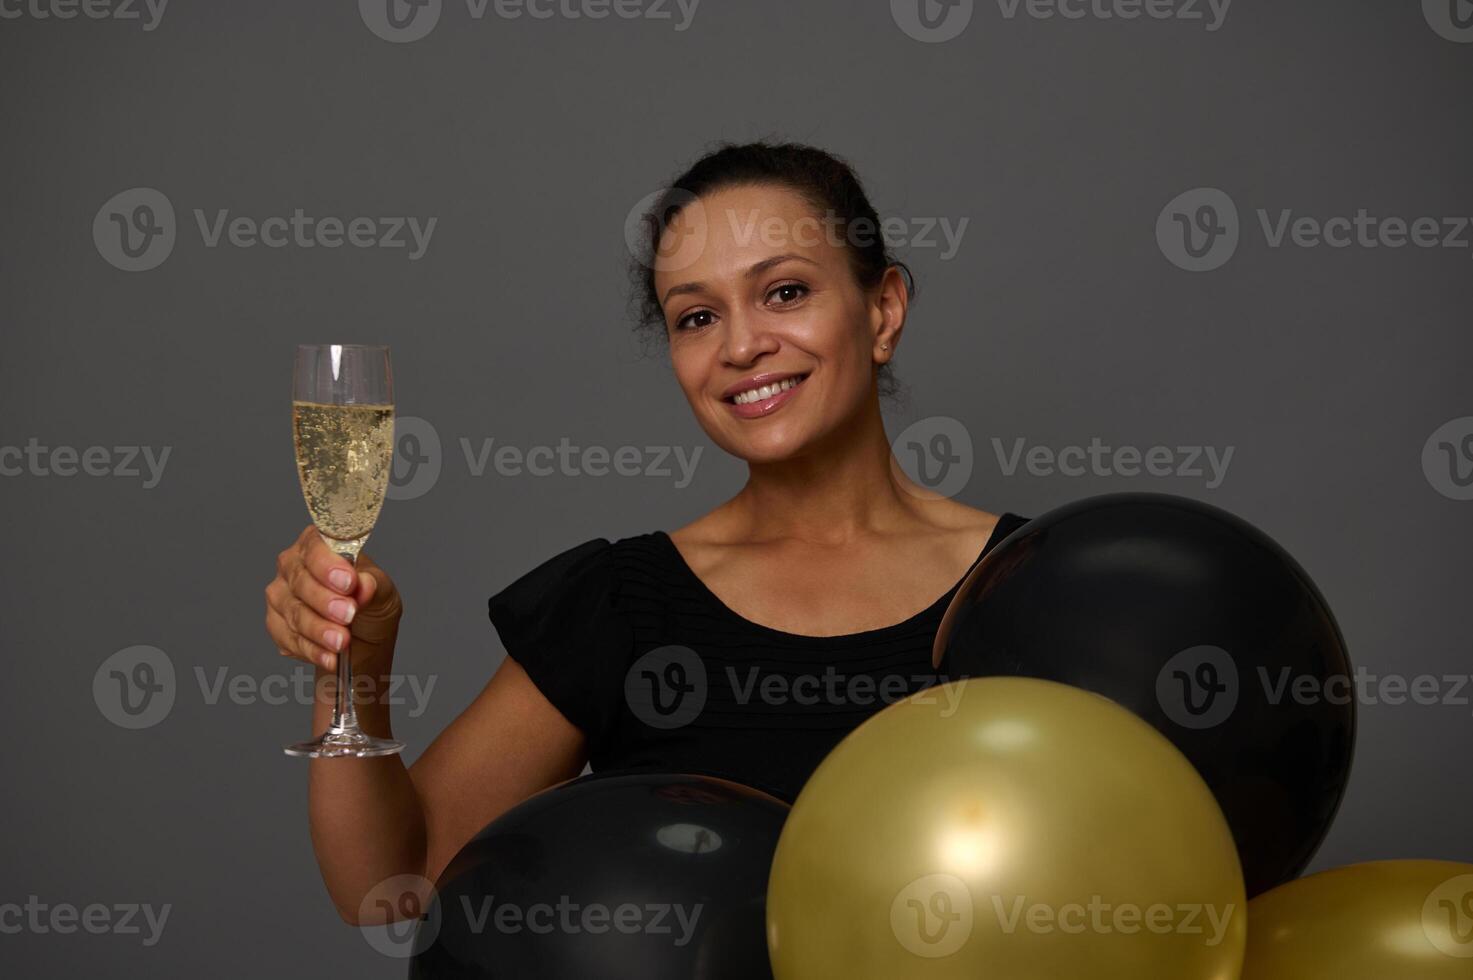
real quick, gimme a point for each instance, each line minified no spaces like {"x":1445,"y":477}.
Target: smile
{"x":762,"y":395}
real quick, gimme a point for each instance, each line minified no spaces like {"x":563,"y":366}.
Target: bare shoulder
{"x":954,"y":516}
{"x":961,"y":531}
{"x":707,"y":540}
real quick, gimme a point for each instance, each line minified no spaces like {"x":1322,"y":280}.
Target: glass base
{"x":351,"y":744}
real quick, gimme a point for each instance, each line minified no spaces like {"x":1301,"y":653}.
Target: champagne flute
{"x":343,"y":428}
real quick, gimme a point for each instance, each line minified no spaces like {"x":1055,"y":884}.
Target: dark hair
{"x":828,"y":183}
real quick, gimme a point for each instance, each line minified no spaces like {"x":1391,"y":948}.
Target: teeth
{"x":766,"y":391}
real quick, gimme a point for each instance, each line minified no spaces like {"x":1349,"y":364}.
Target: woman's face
{"x":772,"y":338}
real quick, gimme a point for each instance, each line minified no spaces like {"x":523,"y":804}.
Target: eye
{"x":788,"y":292}
{"x":695,"y":320}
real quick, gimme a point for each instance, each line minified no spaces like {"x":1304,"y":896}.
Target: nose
{"x":746,"y":339}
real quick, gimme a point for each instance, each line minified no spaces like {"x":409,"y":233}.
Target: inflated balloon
{"x":1005,"y":828}
{"x":1201,"y":625}
{"x":1386,"y":920}
{"x":625,"y":876}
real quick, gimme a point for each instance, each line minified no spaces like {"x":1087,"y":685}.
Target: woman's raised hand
{"x":316,"y":603}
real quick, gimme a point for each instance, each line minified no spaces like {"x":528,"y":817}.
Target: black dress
{"x":627,"y":642}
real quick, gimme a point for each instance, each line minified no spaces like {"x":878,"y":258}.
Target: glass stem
{"x":344,"y":711}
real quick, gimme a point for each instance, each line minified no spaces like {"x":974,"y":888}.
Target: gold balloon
{"x":1005,"y":828}
{"x":1385,"y":920}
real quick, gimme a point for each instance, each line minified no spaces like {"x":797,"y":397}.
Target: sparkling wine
{"x":344,"y":456}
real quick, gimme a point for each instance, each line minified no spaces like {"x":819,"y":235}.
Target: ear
{"x":887,"y":314}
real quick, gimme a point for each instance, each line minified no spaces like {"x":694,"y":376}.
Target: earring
{"x":884,"y":347}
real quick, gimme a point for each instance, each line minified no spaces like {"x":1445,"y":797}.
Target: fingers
{"x":332,"y":570}
{"x":375,"y":592}
{"x":327,"y":603}
{"x":290,"y":642}
{"x":367,"y":588}
{"x":306,"y":618}
{"x":318,"y":601}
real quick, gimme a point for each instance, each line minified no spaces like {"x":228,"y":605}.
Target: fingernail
{"x":329,"y":661}
{"x":341,"y":579}
{"x":333,"y":638}
{"x":342,"y":610}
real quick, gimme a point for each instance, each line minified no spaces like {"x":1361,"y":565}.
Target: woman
{"x":745,"y":644}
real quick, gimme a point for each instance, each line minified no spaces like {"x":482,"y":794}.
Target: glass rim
{"x":343,"y":346}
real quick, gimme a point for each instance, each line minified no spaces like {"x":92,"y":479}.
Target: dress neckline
{"x":933,"y":611}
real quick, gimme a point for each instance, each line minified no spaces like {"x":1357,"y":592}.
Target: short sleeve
{"x":561,"y":621}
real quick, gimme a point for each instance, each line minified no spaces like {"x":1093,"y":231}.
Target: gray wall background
{"x":1059,"y":319}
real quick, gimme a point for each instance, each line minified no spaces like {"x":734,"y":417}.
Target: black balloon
{"x":1200,"y":624}
{"x":621,"y":876}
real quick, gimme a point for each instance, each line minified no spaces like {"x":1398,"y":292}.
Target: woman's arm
{"x":373,"y":820}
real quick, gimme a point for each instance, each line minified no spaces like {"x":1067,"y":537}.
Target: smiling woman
{"x":743,"y":645}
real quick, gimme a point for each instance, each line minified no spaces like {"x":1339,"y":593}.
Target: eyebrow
{"x":755,"y":270}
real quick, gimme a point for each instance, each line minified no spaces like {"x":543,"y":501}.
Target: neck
{"x":833,"y":494}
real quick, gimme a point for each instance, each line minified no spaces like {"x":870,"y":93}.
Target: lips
{"x":761,"y":395}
